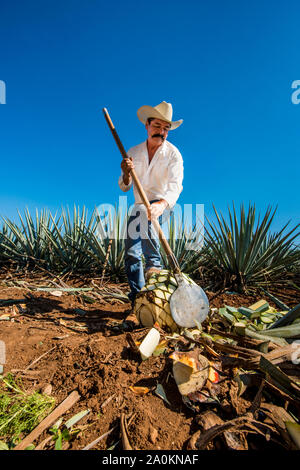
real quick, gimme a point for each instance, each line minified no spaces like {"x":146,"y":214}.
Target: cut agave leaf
{"x":260,"y":306}
{"x":206,"y":335}
{"x":289,"y":331}
{"x":57,"y":424}
{"x":237,"y":315}
{"x":231,"y":309}
{"x":266,"y":319}
{"x":160,"y":392}
{"x":264,"y":347}
{"x":281,"y":380}
{"x":289,"y":317}
{"x":264,"y":308}
{"x":271,"y":310}
{"x":276,"y":301}
{"x":199,"y":326}
{"x":187,"y":380}
{"x":239,"y":328}
{"x":222,"y":310}
{"x":245,"y":311}
{"x":160,"y":348}
{"x":255,"y":315}
{"x":226,"y":315}
{"x":76,"y":418}
{"x":294,"y":431}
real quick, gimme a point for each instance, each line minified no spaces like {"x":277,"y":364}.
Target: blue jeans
{"x":141,"y":239}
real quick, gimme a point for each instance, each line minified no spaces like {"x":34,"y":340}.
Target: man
{"x":158,"y":165}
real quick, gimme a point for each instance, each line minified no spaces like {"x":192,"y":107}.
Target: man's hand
{"x":127,"y":165}
{"x":156,"y":209}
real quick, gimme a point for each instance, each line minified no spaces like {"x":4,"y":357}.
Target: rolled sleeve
{"x":175,"y":178}
{"x":123,"y":186}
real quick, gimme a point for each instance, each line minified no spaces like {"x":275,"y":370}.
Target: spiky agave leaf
{"x":247,"y":256}
{"x":111,"y":226}
{"x":186,"y":244}
{"x":6,"y":240}
{"x":71,"y":249}
{"x":29,"y":242}
{"x":108,"y":228}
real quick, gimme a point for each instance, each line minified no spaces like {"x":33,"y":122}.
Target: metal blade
{"x":189,"y":305}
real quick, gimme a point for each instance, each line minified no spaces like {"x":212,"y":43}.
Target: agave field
{"x":71,"y":372}
{"x":239,"y":252}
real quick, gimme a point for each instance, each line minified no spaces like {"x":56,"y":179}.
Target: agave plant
{"x":29,"y":242}
{"x":242,"y":254}
{"x":4,"y":235}
{"x":69,"y":241}
{"x":3,"y":232}
{"x":282,"y":255}
{"x":239,"y":254}
{"x":73,"y":243}
{"x":294,"y":269}
{"x":186,"y":245}
{"x":109,"y":240}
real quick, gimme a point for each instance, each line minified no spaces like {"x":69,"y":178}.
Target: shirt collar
{"x":161,"y":149}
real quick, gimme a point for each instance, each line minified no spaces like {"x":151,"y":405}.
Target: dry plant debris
{"x":231,"y":383}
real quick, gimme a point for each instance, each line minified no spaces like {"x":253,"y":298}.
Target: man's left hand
{"x":156,"y":209}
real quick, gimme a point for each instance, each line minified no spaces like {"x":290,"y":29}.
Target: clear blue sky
{"x":227,"y":68}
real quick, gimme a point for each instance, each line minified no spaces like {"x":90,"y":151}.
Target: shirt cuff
{"x":171,"y":200}
{"x":123,"y":186}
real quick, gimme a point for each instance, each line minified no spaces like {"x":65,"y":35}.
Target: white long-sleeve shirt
{"x":162,"y":178}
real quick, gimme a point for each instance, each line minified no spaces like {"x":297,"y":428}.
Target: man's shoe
{"x":130,"y":322}
{"x":130,"y":315}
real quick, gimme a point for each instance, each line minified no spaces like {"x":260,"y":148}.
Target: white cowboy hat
{"x":162,"y":111}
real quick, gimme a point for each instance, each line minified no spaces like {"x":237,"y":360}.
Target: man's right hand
{"x":127,"y":165}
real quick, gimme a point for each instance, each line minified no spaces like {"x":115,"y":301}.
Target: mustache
{"x":158,"y":135}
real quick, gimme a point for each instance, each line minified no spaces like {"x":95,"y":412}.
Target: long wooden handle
{"x":143,"y":196}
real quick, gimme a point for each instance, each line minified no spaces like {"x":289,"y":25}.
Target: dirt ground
{"x":88,"y":352}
